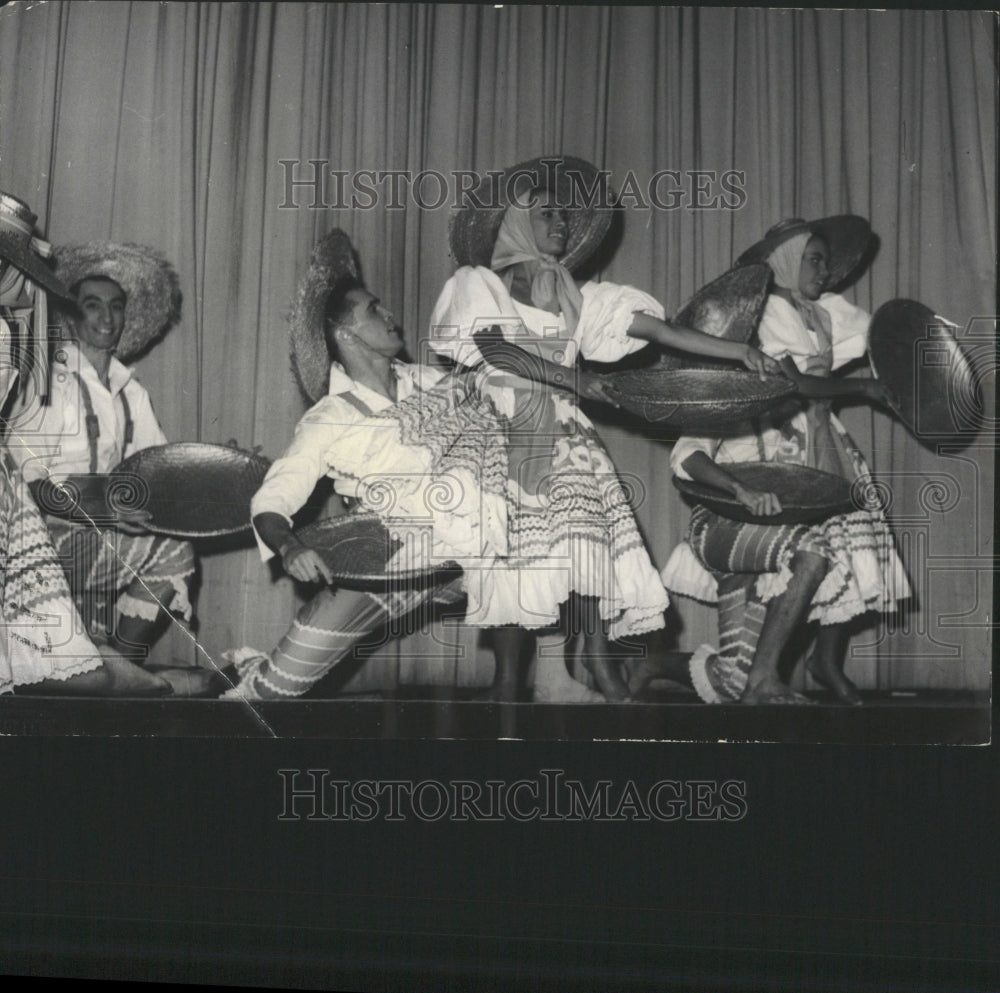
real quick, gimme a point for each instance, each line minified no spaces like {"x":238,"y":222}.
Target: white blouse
{"x":476,"y":298}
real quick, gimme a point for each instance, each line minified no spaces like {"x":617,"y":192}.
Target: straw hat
{"x":846,"y":234}
{"x":358,"y":547}
{"x":22,"y":248}
{"x":152,"y":289}
{"x":332,"y":260}
{"x":474,"y":227}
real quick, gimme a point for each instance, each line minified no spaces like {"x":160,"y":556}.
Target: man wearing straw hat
{"x":380,"y":425}
{"x":124,"y":296}
{"x":44,"y":646}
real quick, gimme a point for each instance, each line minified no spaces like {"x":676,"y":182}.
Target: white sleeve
{"x":473,"y":299}
{"x":781,"y":332}
{"x":292,"y":477}
{"x":336,"y":438}
{"x":146,"y":430}
{"x":607,"y":314}
{"x":850,"y":328}
{"x":686,"y":446}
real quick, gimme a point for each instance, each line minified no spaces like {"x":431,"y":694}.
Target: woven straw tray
{"x":915,"y":353}
{"x":696,"y":398}
{"x":190,"y":489}
{"x":357,"y":547}
{"x":807,"y":495}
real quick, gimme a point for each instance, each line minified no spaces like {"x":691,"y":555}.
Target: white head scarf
{"x":786,"y":263}
{"x":552,"y":285}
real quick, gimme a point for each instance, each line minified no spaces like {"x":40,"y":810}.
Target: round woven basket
{"x":914,"y":352}
{"x":807,"y":495}
{"x":696,"y":398}
{"x":190,"y":489}
{"x":357,"y":548}
{"x":729,"y":307}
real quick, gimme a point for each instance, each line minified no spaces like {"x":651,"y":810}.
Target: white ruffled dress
{"x":570,"y":526}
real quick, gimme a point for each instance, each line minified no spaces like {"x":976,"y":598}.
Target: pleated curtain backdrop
{"x":168,"y":124}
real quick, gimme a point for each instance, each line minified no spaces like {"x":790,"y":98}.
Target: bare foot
{"x":608,"y":676}
{"x":117,"y":677}
{"x":830,"y":677}
{"x":554,"y":684}
{"x":771,"y":690}
{"x":193,"y":681}
{"x":640,"y":672}
{"x":568,"y":691}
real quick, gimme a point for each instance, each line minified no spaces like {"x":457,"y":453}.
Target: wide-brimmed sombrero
{"x":152,"y":289}
{"x":807,"y":495}
{"x":332,"y":260}
{"x":915,"y":353}
{"x":23,"y":248}
{"x":729,"y":307}
{"x":578,"y":186}
{"x":847,"y":236}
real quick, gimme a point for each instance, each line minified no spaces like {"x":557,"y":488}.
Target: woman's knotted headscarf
{"x":552,"y":286}
{"x":786,"y":263}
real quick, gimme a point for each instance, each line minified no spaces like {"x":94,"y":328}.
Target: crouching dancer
{"x":380,"y":419}
{"x":769,"y":579}
{"x":125,"y":580}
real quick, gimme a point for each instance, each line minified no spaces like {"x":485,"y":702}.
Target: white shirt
{"x":338,"y":440}
{"x":51,"y":439}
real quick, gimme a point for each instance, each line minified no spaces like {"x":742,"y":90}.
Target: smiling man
{"x":125,"y":580}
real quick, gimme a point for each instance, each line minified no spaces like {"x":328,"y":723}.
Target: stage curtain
{"x":168,"y":124}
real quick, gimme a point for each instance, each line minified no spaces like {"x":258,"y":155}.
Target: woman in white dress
{"x":572,"y":535}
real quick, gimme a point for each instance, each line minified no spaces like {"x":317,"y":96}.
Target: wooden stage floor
{"x":671,"y":714}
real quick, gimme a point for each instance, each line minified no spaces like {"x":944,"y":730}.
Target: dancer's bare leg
{"x":607,"y":672}
{"x":134,"y":636}
{"x":784,"y":614}
{"x":826,"y":664}
{"x":116,"y":678}
{"x":642,"y":670}
{"x":509,"y":645}
{"x":553,"y":683}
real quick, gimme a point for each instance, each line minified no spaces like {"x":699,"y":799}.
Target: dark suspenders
{"x":357,"y":404}
{"x":94,"y":426}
